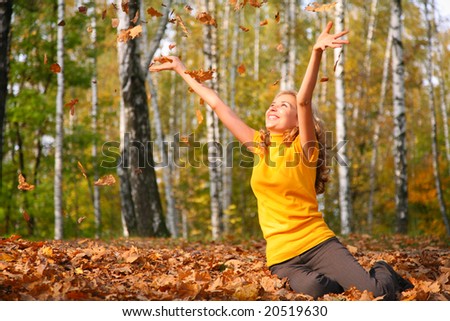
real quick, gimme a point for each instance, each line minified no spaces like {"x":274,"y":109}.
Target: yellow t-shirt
{"x":283,"y":182}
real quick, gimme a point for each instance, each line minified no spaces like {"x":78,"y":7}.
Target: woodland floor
{"x":165,"y":269}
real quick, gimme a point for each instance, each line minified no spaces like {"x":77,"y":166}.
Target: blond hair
{"x":323,"y":172}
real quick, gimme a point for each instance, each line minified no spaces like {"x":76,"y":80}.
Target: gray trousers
{"x":331,"y":268}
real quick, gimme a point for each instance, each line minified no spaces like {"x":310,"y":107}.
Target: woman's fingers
{"x":328,"y":27}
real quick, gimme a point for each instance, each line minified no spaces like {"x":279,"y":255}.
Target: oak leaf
{"x":200,"y":75}
{"x":206,"y":19}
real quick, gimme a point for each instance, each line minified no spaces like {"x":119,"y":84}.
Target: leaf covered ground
{"x":164,"y":269}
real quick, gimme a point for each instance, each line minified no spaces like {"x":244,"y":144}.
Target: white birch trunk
{"x":376,"y":134}
{"x":212,"y":123}
{"x":431,"y":104}
{"x":59,"y":130}
{"x":398,"y":79}
{"x":345,"y":205}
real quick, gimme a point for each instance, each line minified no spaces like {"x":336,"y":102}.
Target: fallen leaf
{"x":115,"y":22}
{"x":244,"y":28}
{"x":199,"y":116}
{"x":171,"y":46}
{"x":81,"y":219}
{"x":277,"y":17}
{"x":324,"y":79}
{"x":26,"y":216}
{"x":82,"y":10}
{"x":200,"y":75}
{"x":62,"y":23}
{"x":263,"y":23}
{"x":241,"y":69}
{"x":280,"y":47}
{"x":45,"y":59}
{"x":135,"y":31}
{"x":188,"y":8}
{"x":206,"y":19}
{"x":80,"y":166}
{"x":71,"y":104}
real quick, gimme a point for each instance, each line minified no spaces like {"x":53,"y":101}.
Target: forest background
{"x":255,"y":52}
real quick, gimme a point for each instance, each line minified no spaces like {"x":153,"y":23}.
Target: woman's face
{"x":282,"y":114}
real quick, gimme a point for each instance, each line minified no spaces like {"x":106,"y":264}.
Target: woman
{"x":289,"y":171}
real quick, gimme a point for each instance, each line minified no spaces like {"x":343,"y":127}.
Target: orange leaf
{"x":135,"y":31}
{"x":277,"y":17}
{"x":206,"y":19}
{"x":200,"y":75}
{"x":171,"y":46}
{"x":153,"y":12}
{"x":276,"y":82}
{"x":280,"y":47}
{"x":241,"y":69}
{"x":263,"y":23}
{"x":199,"y":115}
{"x":23,"y":185}
{"x":80,"y":166}
{"x":115,"y":22}
{"x":188,"y":8}
{"x":72,"y":104}
{"x":180,"y":23}
{"x":244,"y":28}
{"x":315,"y":7}
{"x":26,"y":216}
{"x":136,"y":18}
{"x":106,"y":180}
{"x":104,"y":12}
{"x":55,"y":68}
{"x":162,"y":59}
{"x":324,"y":79}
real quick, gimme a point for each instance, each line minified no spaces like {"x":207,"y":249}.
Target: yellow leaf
{"x":199,"y":115}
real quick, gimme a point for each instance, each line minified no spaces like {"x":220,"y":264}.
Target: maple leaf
{"x":55,"y":68}
{"x":206,"y":19}
{"x":153,"y":12}
{"x":200,"y":75}
{"x":23,"y":185}
{"x":72,"y":104}
{"x":315,"y":7}
{"x":106,"y":180}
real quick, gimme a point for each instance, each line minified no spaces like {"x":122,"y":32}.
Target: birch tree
{"x":288,"y":42}
{"x":376,"y":134}
{"x":59,"y":130}
{"x":398,"y":88}
{"x":212,"y":123}
{"x":345,"y":205}
{"x":146,"y":219}
{"x":431,"y":104}
{"x":5,"y":24}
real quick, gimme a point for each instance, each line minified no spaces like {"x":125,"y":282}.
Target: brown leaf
{"x":115,"y":22}
{"x":206,"y":19}
{"x":179,"y":22}
{"x":153,"y":12}
{"x":188,"y":8}
{"x":200,"y":75}
{"x":125,"y":6}
{"x":244,"y":28}
{"x":172,"y":45}
{"x":106,"y":180}
{"x":135,"y":31}
{"x":81,"y":219}
{"x":104,"y":12}
{"x":162,"y":59}
{"x":62,"y":23}
{"x":277,"y":17}
{"x":199,"y":115}
{"x":26,"y":216}
{"x":136,"y":18}
{"x":324,"y":79}
{"x":45,"y":59}
{"x":55,"y":68}
{"x":280,"y":47}
{"x":23,"y":185}
{"x":82,"y":10}
{"x":263,"y":23}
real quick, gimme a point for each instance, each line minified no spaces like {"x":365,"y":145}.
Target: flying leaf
{"x":82,"y":10}
{"x":55,"y":68}
{"x":125,"y":6}
{"x":26,"y":216}
{"x":263,"y":23}
{"x":104,"y":12}
{"x":206,"y":19}
{"x":136,"y":18}
{"x":23,"y":185}
{"x":188,"y":8}
{"x":200,"y":75}
{"x":81,"y":219}
{"x":72,"y":104}
{"x":179,"y":22}
{"x":199,"y":115}
{"x":162,"y":59}
{"x":115,"y":22}
{"x":62,"y":23}
{"x":277,"y":17}
{"x":255,"y":3}
{"x":45,"y":59}
{"x":171,"y":46}
{"x":315,"y":7}
{"x":280,"y":47}
{"x":135,"y":31}
{"x":244,"y":28}
{"x":276,"y":82}
{"x":324,"y":79}
{"x":106,"y":180}
{"x":153,"y":12}
{"x":83,"y":171}
{"x":89,"y":29}
{"x":241,"y":69}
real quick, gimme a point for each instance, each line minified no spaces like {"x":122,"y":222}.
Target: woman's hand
{"x":167,"y":63}
{"x":327,"y":40}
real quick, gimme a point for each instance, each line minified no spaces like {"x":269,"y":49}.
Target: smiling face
{"x":282,"y":114}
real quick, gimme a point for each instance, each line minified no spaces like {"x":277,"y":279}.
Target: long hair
{"x":322,"y":171}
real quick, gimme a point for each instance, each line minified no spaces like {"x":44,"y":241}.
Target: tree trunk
{"x":376,"y":134}
{"x":5,"y":24}
{"x":212,"y":123}
{"x":59,"y":131}
{"x":345,"y":205}
{"x":431,"y":103}
{"x":398,"y":79}
{"x":288,"y":42}
{"x":138,"y":166}
{"x":442,"y":90}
